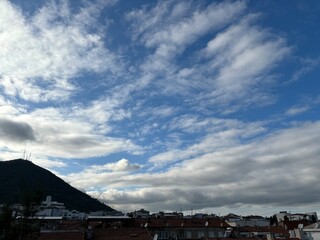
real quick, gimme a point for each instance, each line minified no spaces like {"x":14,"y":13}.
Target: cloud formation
{"x":226,"y":70}
{"x":243,"y":59}
{"x":16,"y":131}
{"x":41,"y":53}
{"x":164,"y":105}
{"x":261,"y":172}
{"x":52,"y":133}
{"x":296,"y":110}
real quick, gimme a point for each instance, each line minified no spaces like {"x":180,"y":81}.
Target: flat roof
{"x":108,"y":217}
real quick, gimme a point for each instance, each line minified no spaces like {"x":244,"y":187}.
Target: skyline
{"x":166,"y":105}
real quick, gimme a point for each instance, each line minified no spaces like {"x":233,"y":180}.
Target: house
{"x":309,"y":216}
{"x":182,"y":228}
{"x":272,"y":232}
{"x":291,"y":225}
{"x":309,"y":232}
{"x":63,"y":230}
{"x":140,"y":214}
{"x":120,"y":234}
{"x":248,"y":221}
{"x":62,"y":235}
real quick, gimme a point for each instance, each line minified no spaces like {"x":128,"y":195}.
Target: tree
{"x":25,"y":226}
{"x":273,"y":220}
{"x":5,"y":222}
{"x":22,"y":227}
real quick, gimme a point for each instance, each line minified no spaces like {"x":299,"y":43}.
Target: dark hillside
{"x":21,"y":179}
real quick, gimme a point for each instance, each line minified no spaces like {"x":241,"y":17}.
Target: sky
{"x":193,"y":106}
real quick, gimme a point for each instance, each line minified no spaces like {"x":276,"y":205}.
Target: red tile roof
{"x":238,"y":238}
{"x":69,"y":225}
{"x":291,"y":225}
{"x":99,"y":234}
{"x":61,"y":235}
{"x":121,"y":234}
{"x":270,"y":229}
{"x":179,"y":223}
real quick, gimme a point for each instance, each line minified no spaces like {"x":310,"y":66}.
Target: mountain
{"x":21,"y":180}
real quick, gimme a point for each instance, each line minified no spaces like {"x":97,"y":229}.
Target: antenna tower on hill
{"x":26,"y":156}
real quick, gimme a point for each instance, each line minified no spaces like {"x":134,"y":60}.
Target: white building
{"x":312,"y":232}
{"x":51,"y":208}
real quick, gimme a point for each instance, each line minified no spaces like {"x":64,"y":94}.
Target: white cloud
{"x":221,"y":134}
{"x":119,"y":166}
{"x":101,"y":111}
{"x":296,"y":110}
{"x":242,"y":56}
{"x":189,"y":123}
{"x":8,"y":108}
{"x":60,"y":134}
{"x":41,"y":53}
{"x":234,"y":70}
{"x":279,"y":169}
{"x":188,"y":30}
{"x":163,"y":111}
{"x":56,"y":133}
{"x":42,"y":161}
{"x":95,"y":176}
{"x":182,"y":29}
{"x":169,"y":32}
{"x":188,"y":64}
{"x":308,"y":65}
{"x":37,"y":158}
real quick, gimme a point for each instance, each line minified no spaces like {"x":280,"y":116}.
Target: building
{"x":51,"y":208}
{"x":182,"y":228}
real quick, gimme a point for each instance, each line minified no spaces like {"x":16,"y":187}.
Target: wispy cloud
{"x":235,"y":63}
{"x":296,"y":110}
{"x":181,"y":31}
{"x":221,"y":134}
{"x":242,"y":57}
{"x":308,"y":65}
{"x":41,"y":53}
{"x":168,"y":28}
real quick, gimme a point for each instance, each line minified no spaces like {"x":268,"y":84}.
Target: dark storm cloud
{"x":16,"y":131}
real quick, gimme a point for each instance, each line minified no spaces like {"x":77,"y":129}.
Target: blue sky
{"x":167,"y":105}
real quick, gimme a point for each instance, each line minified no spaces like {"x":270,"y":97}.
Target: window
{"x":163,"y":235}
{"x":200,"y":234}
